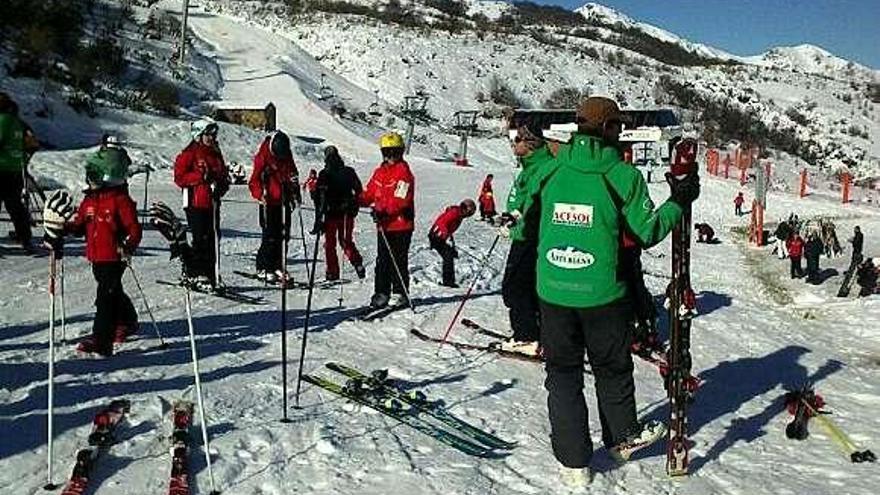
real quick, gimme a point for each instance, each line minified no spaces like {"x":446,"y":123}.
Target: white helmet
{"x":201,"y":126}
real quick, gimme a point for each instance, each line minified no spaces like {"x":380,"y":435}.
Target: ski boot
{"x":649,"y":433}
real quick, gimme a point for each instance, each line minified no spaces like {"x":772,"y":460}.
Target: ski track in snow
{"x":747,"y":348}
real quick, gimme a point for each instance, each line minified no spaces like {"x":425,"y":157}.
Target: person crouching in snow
{"x":273,"y":184}
{"x":107,"y":217}
{"x":705,"y":233}
{"x":441,"y":237}
{"x":487,"y":199}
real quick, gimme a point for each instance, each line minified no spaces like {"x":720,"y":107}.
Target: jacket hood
{"x":587,"y":154}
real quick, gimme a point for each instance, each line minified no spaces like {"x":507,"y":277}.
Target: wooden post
{"x":846,"y":178}
{"x":803,"y":189}
{"x":727,"y":167}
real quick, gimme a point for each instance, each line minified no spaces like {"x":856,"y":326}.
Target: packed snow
{"x":758,"y":333}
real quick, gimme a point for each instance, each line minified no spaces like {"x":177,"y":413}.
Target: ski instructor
{"x":587,"y":196}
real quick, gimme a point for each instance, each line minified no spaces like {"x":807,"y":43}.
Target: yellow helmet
{"x":391,"y":140}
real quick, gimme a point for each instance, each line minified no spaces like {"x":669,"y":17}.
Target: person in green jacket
{"x":13,"y":157}
{"x":518,"y":286}
{"x":587,"y":195}
{"x":108,"y":167}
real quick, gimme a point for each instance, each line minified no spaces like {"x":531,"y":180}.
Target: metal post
{"x":185,"y":13}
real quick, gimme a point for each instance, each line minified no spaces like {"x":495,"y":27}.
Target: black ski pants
{"x":113,"y":306}
{"x":605,"y":334}
{"x":273,"y":220}
{"x":11,"y":187}
{"x":519,"y":291}
{"x":797,"y":270}
{"x":387,"y":279}
{"x":813,"y":268}
{"x":448,"y":254}
{"x":203,"y":257}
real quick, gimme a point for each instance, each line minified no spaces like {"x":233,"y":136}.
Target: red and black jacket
{"x":108,"y":219}
{"x":391,"y":192}
{"x":272,"y":177}
{"x":446,"y":224}
{"x":197,"y":170}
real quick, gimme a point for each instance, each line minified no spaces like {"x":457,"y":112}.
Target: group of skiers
{"x":575,"y":290}
{"x":822,"y":240}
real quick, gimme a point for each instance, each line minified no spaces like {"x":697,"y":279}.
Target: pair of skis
{"x":225,"y":293}
{"x":411,"y":408}
{"x":804,"y":404}
{"x":101,"y":438}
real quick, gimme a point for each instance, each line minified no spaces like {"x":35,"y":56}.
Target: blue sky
{"x":847,"y":28}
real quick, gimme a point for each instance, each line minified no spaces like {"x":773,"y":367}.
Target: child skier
{"x":441,"y":238}
{"x":310,"y":185}
{"x":337,"y":191}
{"x":738,"y":204}
{"x":390,"y":192}
{"x":107,"y":217}
{"x":487,"y":200}
{"x":273,"y":184}
{"x":200,"y":172}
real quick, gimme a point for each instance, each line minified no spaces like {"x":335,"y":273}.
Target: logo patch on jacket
{"x":569,"y":258}
{"x":401,"y":189}
{"x":573,"y":215}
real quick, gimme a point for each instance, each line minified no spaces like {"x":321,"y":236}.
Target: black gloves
{"x":684,"y":190}
{"x":169,"y":226}
{"x":57,"y":212}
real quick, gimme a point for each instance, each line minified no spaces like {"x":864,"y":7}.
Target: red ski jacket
{"x":108,"y":219}
{"x":196,"y":169}
{"x":447,"y":223}
{"x":739,"y":200}
{"x":487,"y":198}
{"x":390,"y":192}
{"x":795,"y":247}
{"x":271,"y":175}
{"x":310,"y":184}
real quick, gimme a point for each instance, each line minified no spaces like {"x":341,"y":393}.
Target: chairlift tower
{"x":181,"y":59}
{"x":414,"y":107}
{"x":325,"y":92}
{"x":464,"y":124}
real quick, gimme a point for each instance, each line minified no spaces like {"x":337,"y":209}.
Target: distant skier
{"x":13,"y":160}
{"x":583,"y":303}
{"x":441,"y":239}
{"x":866,"y":277}
{"x":812,"y":251}
{"x":274,"y":184}
{"x":858,"y":242}
{"x":390,"y":192}
{"x":705,"y":233}
{"x":782,"y":233}
{"x":310,"y":185}
{"x":107,"y":217}
{"x":487,"y":200}
{"x":200,"y":172}
{"x":795,"y":246}
{"x":337,"y":190}
{"x":738,"y":204}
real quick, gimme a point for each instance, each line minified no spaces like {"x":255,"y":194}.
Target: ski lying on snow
{"x":370,"y":314}
{"x":494,"y":347}
{"x":181,"y":420}
{"x":378,"y":383}
{"x":483,"y":330}
{"x":100,"y":439}
{"x":224,"y":293}
{"x":396,"y":410}
{"x":291,"y":284}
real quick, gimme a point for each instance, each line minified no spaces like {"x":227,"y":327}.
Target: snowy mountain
{"x":813,"y":59}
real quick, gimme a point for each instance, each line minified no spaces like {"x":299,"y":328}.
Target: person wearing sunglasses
{"x":588,"y":195}
{"x":201,"y":174}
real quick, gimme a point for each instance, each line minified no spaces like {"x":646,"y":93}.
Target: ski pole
{"x":849,"y":447}
{"x":302,"y":234}
{"x":396,"y":268}
{"x":343,"y":244}
{"x":63,"y":311}
{"x":146,"y":195}
{"x":198,"y":382}
{"x":162,"y":343}
{"x":285,"y":220}
{"x":51,"y":383}
{"x":302,"y":352}
{"x":468,"y":293}
{"x":216,"y":219}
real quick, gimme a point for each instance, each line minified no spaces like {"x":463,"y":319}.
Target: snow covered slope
{"x":814,"y":60}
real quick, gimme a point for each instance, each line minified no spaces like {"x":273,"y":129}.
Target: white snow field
{"x":758,"y":334}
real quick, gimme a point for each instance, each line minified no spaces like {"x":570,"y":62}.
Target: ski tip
{"x":287,"y":421}
{"x":50,"y":486}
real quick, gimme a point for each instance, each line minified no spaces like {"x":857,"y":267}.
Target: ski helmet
{"x":468,"y":207}
{"x":595,"y":112}
{"x":279,"y":146}
{"x":391,"y":140}
{"x":203,"y":126}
